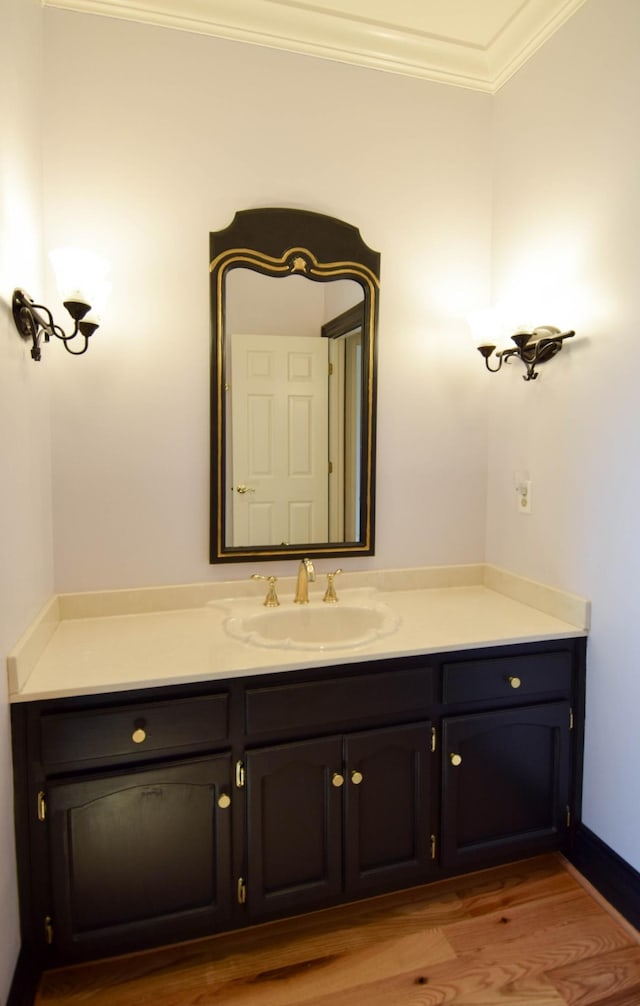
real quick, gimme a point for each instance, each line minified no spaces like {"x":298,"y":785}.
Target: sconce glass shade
{"x":81,"y":276}
{"x":484,"y":326}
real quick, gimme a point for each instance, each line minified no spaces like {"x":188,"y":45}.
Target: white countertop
{"x":66,"y":656}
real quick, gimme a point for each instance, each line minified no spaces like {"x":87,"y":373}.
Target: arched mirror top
{"x":293,"y":387}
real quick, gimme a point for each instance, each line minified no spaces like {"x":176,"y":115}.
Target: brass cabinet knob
{"x":455,"y":760}
{"x":356,"y":777}
{"x":337,"y":780}
{"x":514,"y":682}
{"x":224,"y":801}
{"x":138,"y":735}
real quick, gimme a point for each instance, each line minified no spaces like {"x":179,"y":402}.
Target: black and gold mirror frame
{"x":262,"y":455}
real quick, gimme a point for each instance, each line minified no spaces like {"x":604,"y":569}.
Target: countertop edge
{"x":293,"y":664}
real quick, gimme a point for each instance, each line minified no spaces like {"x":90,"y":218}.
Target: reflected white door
{"x":279,"y":418}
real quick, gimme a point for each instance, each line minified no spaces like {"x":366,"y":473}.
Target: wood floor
{"x":527,"y":934}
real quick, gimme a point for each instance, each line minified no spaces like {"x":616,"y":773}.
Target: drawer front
{"x":134,"y":732}
{"x":320,"y":705}
{"x":504,"y":678}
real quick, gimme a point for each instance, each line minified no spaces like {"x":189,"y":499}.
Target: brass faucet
{"x":306,"y":573}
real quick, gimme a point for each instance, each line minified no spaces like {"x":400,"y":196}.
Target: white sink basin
{"x":316,"y":626}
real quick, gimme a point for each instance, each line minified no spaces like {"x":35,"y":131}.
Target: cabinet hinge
{"x":434,"y":739}
{"x":330,"y":370}
{"x":433,"y":846}
{"x":570,"y":717}
{"x":240,"y":775}
{"x":48,"y":930}
{"x":331,"y":468}
{"x":242,"y":891}
{"x":568,"y":816}
{"x":42,"y":806}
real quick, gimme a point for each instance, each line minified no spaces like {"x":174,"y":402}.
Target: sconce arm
{"x":486,"y":351}
{"x":35,"y":322}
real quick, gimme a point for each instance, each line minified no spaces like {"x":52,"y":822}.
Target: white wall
{"x":566,"y":233}
{"x":26,"y":557}
{"x":153,"y":138}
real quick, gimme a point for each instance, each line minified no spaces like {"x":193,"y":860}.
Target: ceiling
{"x":469,"y":43}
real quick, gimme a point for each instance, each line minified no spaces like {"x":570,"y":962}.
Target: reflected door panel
{"x":279,"y":423}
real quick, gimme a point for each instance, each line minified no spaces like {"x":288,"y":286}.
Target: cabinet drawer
{"x":313,"y":705}
{"x":505,"y":678}
{"x":133,"y":731}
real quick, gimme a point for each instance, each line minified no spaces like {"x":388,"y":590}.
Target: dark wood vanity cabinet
{"x":160,"y":815}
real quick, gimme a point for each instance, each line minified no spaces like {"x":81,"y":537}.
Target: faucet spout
{"x":306,"y":573}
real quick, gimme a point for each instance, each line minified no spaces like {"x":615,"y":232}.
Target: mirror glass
{"x":294,"y":309}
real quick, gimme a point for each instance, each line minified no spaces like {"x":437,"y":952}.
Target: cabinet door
{"x":140,"y":857}
{"x":505,"y":783}
{"x":388,"y":825}
{"x":294,"y":826}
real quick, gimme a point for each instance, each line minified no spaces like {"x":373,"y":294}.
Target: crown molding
{"x":524,"y":35}
{"x":301,"y":28}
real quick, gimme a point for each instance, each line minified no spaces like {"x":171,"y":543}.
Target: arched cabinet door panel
{"x":505,"y":782}
{"x":389,"y":818}
{"x":294,"y":826}
{"x":140,"y":857}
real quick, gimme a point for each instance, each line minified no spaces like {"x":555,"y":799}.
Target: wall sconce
{"x":532,"y":348}
{"x":81,"y":280}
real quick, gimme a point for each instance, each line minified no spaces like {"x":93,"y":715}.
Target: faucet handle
{"x":330,"y":596}
{"x":271,"y":600}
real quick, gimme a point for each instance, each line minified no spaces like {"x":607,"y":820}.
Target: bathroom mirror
{"x":294,"y":307}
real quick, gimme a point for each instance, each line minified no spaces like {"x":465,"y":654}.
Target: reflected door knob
{"x":455,"y":760}
{"x":244,"y":489}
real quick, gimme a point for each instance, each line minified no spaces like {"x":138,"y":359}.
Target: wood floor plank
{"x":547,"y":949}
{"x":338,"y":977}
{"x":234,"y":956}
{"x":526,"y":919}
{"x":514,"y":884}
{"x":275,"y":978}
{"x":522,"y":935}
{"x":419,"y":990}
{"x":606,"y":980}
{"x":500,"y":970}
{"x":517,"y":971}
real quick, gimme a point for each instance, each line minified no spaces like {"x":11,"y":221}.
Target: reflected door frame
{"x":345,"y":432}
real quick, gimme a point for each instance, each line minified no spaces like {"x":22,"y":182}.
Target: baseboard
{"x":25,"y":982}
{"x":611,"y":875}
